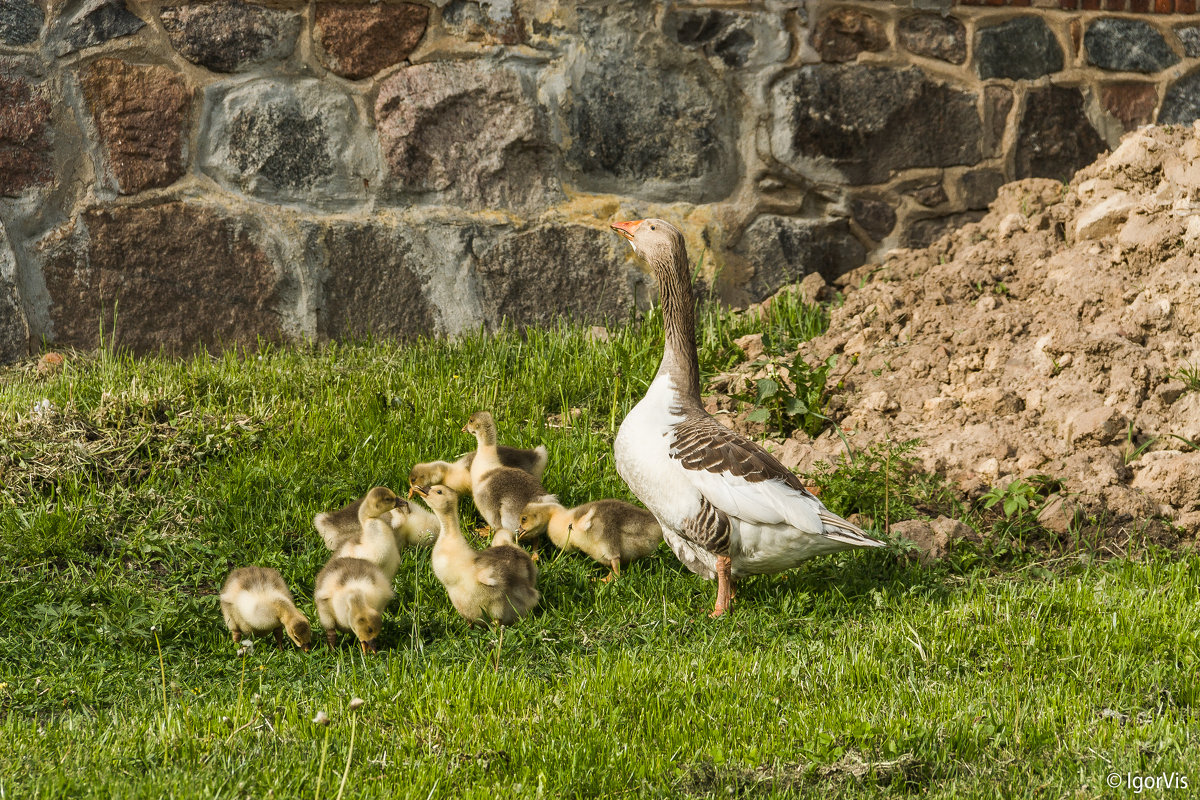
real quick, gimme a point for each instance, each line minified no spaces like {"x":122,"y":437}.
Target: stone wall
{"x":183,"y":174}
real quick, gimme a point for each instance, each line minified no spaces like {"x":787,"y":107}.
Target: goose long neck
{"x":679,"y":324}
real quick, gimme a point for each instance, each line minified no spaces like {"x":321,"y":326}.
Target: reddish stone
{"x":1091,"y":5}
{"x":1114,"y":5}
{"x":1070,"y":5}
{"x":24,"y":140}
{"x":173,"y":276}
{"x":1164,"y":6}
{"x":360,"y":40}
{"x":1132,"y":103}
{"x":1139,"y":6}
{"x":140,"y":113}
{"x":1021,"y":2}
{"x":845,"y":32}
{"x":1185,"y":6}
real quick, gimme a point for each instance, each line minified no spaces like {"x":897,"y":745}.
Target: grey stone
{"x":1021,"y":49}
{"x":868,"y":121}
{"x":978,"y":189}
{"x":14,"y":328}
{"x":873,"y":215}
{"x":294,"y":141}
{"x":1189,"y":37}
{"x":538,"y":275}
{"x":783,"y":250}
{"x":1127,"y":45}
{"x":924,"y":232}
{"x":655,"y":123}
{"x":231,"y":36}
{"x":737,"y":40}
{"x":934,"y":36}
{"x":508,"y":159}
{"x":373,"y":282}
{"x":20,"y":22}
{"x":1181,"y":104}
{"x":1055,"y":138}
{"x":485,"y":20}
{"x":96,"y":23}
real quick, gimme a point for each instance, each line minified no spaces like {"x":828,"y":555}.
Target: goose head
{"x":366,"y":624}
{"x":482,"y":427}
{"x":300,"y":632}
{"x":535,"y":517}
{"x":657,"y":241}
{"x":380,"y":501}
{"x":442,"y":499}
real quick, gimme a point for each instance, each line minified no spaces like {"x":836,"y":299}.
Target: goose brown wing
{"x":701,"y":443}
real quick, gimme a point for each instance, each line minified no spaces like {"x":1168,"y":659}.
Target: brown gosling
{"x":351,"y":594}
{"x":376,"y":540}
{"x":256,"y":600}
{"x":500,"y":492}
{"x":457,"y":474}
{"x":346,"y":523}
{"x":498,"y":584}
{"x":610,"y":531}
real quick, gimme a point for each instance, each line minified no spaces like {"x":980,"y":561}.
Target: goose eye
{"x":652,"y":227}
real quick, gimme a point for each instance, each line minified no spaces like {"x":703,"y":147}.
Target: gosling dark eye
{"x":652,"y":227}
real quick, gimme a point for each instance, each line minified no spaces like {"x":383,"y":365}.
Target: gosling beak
{"x":626,"y":229}
{"x":411,"y":489}
{"x":306,"y":647}
{"x":421,"y":490}
{"x":402,"y":505}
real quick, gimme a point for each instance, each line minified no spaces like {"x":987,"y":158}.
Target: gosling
{"x":351,"y":594}
{"x":457,"y":474}
{"x":498,"y":584}
{"x":256,"y":600}
{"x":610,"y":531}
{"x":346,"y":523}
{"x":500,"y":492}
{"x":376,"y":539}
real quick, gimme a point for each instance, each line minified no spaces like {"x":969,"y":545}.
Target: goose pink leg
{"x":724,"y":586}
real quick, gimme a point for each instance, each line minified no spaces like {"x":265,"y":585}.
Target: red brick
{"x":1139,"y":6}
{"x":1164,"y":6}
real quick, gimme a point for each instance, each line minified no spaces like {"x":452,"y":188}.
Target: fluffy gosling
{"x":500,"y":492}
{"x":457,"y":474}
{"x":498,"y":584}
{"x":256,"y":600}
{"x":610,"y":531}
{"x":351,"y":594}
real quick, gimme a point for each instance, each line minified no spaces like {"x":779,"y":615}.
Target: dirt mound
{"x":1059,"y":335}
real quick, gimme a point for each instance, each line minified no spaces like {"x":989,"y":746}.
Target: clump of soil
{"x":1055,"y":336}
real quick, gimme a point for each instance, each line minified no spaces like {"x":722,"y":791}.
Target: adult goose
{"x":727,"y":507}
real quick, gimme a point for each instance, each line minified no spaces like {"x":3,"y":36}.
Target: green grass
{"x":982,"y":676}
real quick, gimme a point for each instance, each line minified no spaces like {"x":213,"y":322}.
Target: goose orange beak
{"x":626,"y":229}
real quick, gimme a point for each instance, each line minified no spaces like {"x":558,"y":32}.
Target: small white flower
{"x":357,"y":703}
{"x":256,"y":699}
{"x":321,"y":718}
{"x":153,"y":628}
